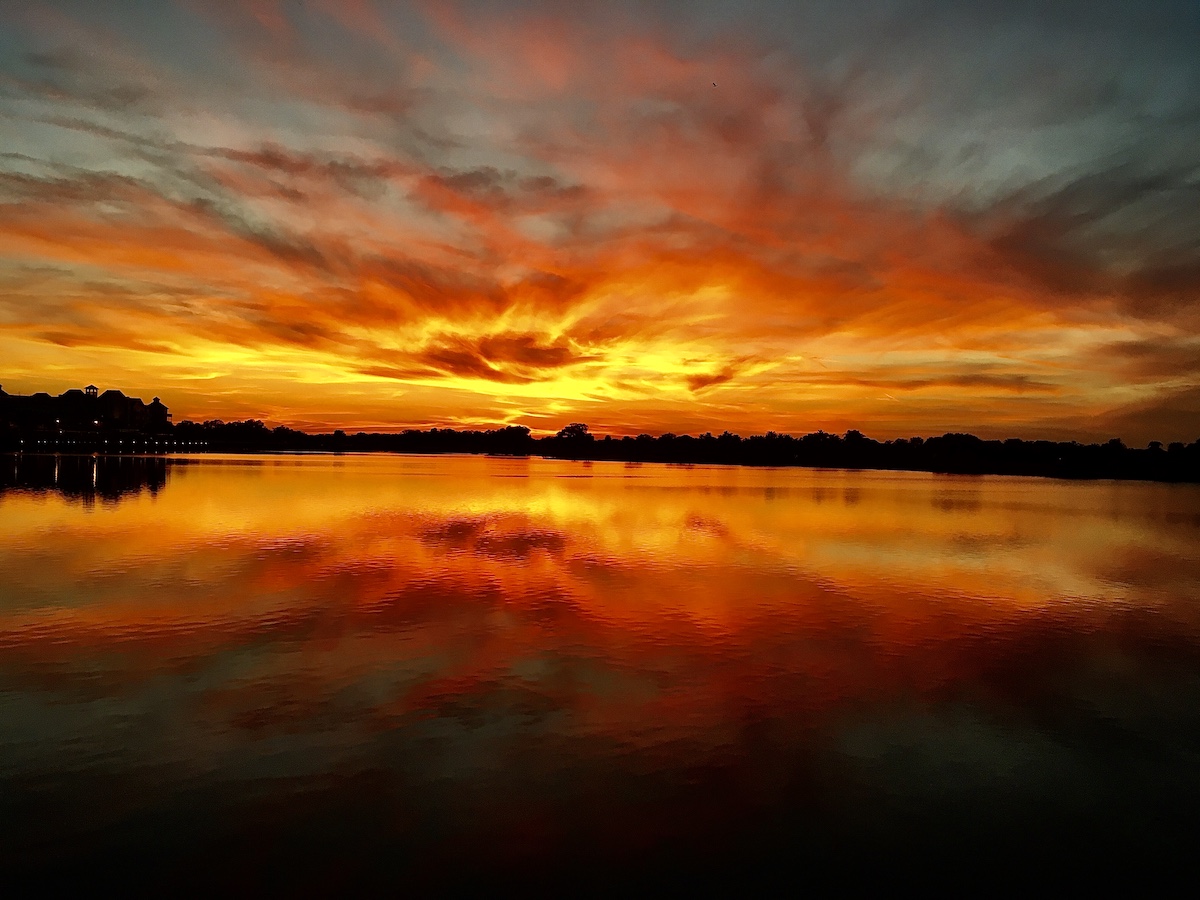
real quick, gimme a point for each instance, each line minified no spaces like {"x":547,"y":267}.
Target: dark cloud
{"x":1153,"y":360}
{"x":529,"y":350}
{"x":81,"y":187}
{"x":437,"y":289}
{"x":103,"y":338}
{"x":1169,"y":415}
{"x":461,"y":359}
{"x":290,"y":249}
{"x":305,"y":334}
{"x":513,"y":358}
{"x":700,"y":382}
{"x":490,"y":192}
{"x":922,"y":378}
{"x":1167,"y":285}
{"x":504,"y":357}
{"x":551,"y":290}
{"x":1012,"y":383}
{"x":348,"y":173}
{"x":1128,"y":231}
{"x":86,"y":76}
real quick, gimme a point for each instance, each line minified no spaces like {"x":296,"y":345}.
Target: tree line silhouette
{"x":949,"y":453}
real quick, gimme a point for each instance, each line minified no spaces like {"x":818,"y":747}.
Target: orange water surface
{"x":328,"y":670}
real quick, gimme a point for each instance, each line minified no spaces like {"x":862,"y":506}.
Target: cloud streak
{"x":374,"y":214}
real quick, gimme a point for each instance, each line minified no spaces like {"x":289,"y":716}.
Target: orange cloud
{"x":553,"y":218}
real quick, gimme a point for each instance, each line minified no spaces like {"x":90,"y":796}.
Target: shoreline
{"x":180,"y":456}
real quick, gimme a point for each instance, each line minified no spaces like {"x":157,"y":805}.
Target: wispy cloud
{"x":643,"y":216}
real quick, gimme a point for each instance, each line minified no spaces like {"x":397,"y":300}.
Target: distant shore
{"x":956,"y":453}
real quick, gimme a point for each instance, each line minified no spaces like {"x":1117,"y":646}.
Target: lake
{"x":332,"y":672}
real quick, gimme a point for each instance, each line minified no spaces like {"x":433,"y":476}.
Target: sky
{"x":896,"y":216}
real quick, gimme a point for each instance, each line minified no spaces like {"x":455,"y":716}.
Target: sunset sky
{"x":898,"y":216}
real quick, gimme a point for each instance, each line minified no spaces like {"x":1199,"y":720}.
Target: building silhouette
{"x":79,"y":417}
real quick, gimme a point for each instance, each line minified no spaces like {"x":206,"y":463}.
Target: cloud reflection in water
{"x":426,"y":667}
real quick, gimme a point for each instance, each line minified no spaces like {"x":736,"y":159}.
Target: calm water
{"x":330,"y":671}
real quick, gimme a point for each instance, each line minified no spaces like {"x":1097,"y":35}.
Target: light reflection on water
{"x":331,"y":668}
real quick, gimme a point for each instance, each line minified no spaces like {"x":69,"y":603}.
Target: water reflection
{"x":422,"y":668}
{"x":83,"y":478}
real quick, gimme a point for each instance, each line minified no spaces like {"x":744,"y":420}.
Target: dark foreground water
{"x":416,"y":673}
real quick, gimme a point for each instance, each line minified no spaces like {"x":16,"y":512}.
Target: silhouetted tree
{"x":951,"y":453}
{"x":576,"y":431}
